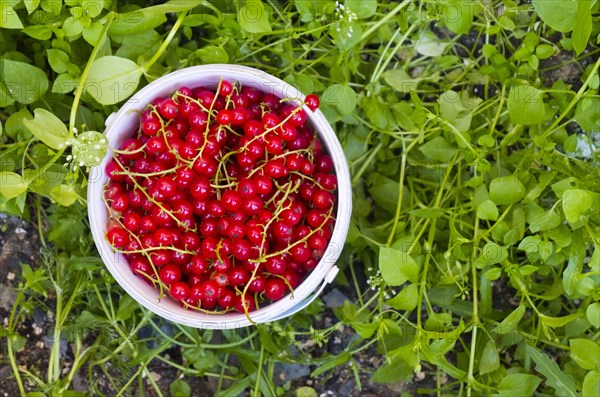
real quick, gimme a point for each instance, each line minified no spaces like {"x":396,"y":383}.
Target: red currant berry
{"x":179,"y":291}
{"x":169,"y":274}
{"x":257,"y":284}
{"x":242,"y":249}
{"x":120,"y":203}
{"x":117,"y":237}
{"x":275,"y":289}
{"x":198,"y":265}
{"x":312,"y":101}
{"x":224,"y":117}
{"x":238,"y":276}
{"x":168,"y":109}
{"x":132,"y":221}
{"x":226,"y":88}
{"x":244,"y":304}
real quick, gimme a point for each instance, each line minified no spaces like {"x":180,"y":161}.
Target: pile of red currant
{"x":223,"y":198}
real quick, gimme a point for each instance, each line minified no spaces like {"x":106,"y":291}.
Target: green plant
{"x":475,"y":172}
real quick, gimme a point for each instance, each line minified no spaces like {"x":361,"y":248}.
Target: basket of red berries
{"x":224,"y":199}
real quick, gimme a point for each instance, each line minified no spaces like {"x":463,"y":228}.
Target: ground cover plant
{"x":471,"y":130}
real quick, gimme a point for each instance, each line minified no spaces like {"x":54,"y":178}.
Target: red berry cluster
{"x":224,"y":197}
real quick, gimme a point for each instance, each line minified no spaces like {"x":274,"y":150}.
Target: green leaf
{"x":31,"y":5}
{"x":506,"y":190}
{"x":406,"y":299}
{"x":457,"y":109}
{"x":135,"y":22}
{"x":342,"y":96}
{"x":576,"y":202}
{"x":141,"y":44}
{"x":585,"y":352}
{"x":212,"y":54}
{"x":148,"y":18}
{"x":48,"y":128}
{"x":11,"y":184}
{"x":546,"y":221}
{"x":333,"y":362}
{"x":490,"y":359}
{"x":40,"y":32}
{"x":365,"y":330}
{"x":202,"y":359}
{"x":400,"y":80}
{"x":346,"y":35}
{"x":362,"y":8}
{"x":236,"y":389}
{"x":518,"y":385}
{"x":64,"y":195}
{"x":24,"y":82}
{"x":439,"y":149}
{"x":179,"y":388}
{"x":493,"y":274}
{"x":526,"y":105}
{"x":92,"y":8}
{"x":587,"y":113}
{"x":8,"y":17}
{"x":562,"y":383}
{"x":64,"y":83}
{"x":15,"y":126}
{"x":492,"y":253}
{"x":545,"y":249}
{"x":127,"y":305}
{"x":511,"y":321}
{"x":559,"y":15}
{"x":396,"y":266}
{"x":429,"y":45}
{"x":591,"y":384}
{"x":393,"y":371}
{"x":556,"y":322}
{"x":112,"y":79}
{"x":253,"y":17}
{"x":544,"y":51}
{"x":306,"y":391}
{"x":458,"y":15}
{"x":487,"y":210}
{"x":58,"y":59}
{"x":593,"y":314}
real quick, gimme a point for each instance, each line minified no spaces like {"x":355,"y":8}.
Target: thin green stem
{"x":574,"y":101}
{"x":259,"y":372}
{"x":165,"y":43}
{"x":475,"y":320}
{"x":79,"y":90}
{"x":383,"y":20}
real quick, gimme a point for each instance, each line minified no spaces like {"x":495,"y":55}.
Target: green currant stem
{"x":79,"y":91}
{"x":165,"y":43}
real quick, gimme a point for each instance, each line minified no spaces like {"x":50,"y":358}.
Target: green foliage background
{"x":475,"y":180}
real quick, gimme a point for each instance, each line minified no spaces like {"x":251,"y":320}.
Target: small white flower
{"x":69,"y":158}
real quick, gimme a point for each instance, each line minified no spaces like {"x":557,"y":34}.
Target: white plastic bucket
{"x":120,"y":126}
